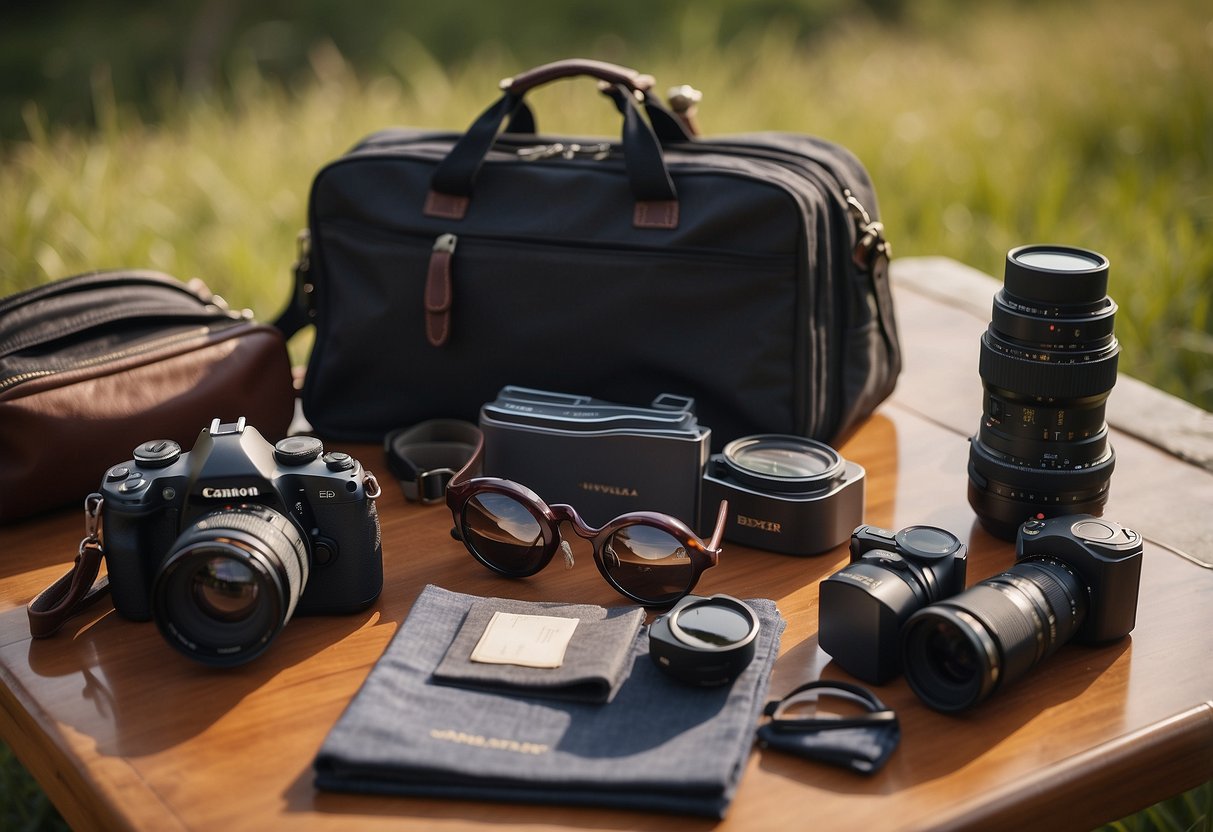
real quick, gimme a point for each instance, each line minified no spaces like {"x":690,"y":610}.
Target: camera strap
{"x":424,"y":457}
{"x":861,"y":743}
{"x":79,"y":588}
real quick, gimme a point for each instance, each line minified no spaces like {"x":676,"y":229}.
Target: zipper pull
{"x":438,"y":290}
{"x":304,"y":288}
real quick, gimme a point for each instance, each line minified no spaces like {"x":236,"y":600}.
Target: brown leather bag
{"x":93,"y":365}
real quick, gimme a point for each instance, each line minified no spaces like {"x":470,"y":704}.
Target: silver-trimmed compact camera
{"x":786,"y":493}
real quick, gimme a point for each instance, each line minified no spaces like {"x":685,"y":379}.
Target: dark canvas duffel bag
{"x":748,"y":272}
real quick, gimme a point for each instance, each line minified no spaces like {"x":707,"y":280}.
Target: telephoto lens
{"x":1048,"y":363}
{"x":1075,"y":577}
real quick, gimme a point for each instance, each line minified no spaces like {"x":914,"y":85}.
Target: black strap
{"x":860,"y":743}
{"x":426,"y":456}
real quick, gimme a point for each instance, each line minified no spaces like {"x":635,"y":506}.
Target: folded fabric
{"x":596,"y":661}
{"x":658,"y":745}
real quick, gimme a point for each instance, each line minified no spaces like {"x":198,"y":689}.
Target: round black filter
{"x":705,"y":641}
{"x":782,"y":463}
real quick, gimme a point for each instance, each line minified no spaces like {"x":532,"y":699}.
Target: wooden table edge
{"x":1173,"y":755}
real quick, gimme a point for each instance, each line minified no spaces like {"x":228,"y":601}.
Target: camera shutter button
{"x":158,"y":453}
{"x":297,"y":450}
{"x":338,"y":461}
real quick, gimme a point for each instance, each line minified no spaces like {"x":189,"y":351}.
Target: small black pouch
{"x":861,"y":743}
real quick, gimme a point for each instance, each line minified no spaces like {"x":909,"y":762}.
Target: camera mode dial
{"x":297,"y":450}
{"x":158,"y":453}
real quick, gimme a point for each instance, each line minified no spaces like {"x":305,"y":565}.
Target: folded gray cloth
{"x":596,"y":661}
{"x":658,"y":746}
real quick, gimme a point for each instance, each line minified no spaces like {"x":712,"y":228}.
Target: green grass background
{"x":184,"y":136}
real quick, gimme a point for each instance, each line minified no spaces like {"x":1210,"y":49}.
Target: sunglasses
{"x":653,"y":559}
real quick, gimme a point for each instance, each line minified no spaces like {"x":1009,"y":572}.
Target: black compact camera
{"x":786,"y":494}
{"x":223,"y":544}
{"x":863,"y":606}
{"x":1075,"y":577}
{"x":1048,"y":363}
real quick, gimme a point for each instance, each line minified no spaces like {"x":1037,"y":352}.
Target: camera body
{"x":1106,"y":558}
{"x":1075,"y":577}
{"x":160,"y":494}
{"x":863,"y":606}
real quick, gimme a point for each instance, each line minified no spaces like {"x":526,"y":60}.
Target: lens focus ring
{"x":1047,"y":379}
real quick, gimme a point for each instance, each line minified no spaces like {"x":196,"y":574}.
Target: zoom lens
{"x":230,"y":583}
{"x":1048,"y":363}
{"x":960,"y":651}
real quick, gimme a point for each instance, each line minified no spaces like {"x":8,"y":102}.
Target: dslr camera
{"x":1075,"y":577}
{"x":221,"y":545}
{"x":863,"y":606}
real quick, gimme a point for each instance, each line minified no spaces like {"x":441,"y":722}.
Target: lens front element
{"x":230,"y":583}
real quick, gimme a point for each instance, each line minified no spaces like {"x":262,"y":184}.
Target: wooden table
{"x":123,"y":732}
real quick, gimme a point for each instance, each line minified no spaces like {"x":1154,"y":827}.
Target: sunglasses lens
{"x":650,"y":563}
{"x":503,"y":533}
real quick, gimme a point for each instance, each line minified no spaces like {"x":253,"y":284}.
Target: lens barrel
{"x":1048,"y":362}
{"x":960,"y":651}
{"x":230,"y":583}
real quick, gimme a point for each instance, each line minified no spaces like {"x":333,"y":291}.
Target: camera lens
{"x":1048,"y":363}
{"x":705,"y":641}
{"x":230,"y":583}
{"x":776,"y":462}
{"x":712,"y":624}
{"x":959,"y":651}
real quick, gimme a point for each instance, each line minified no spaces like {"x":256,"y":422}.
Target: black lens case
{"x":704,"y":641}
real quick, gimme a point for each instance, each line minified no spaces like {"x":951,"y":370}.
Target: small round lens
{"x":928,"y":541}
{"x":1058,"y":260}
{"x":225,"y":589}
{"x":648,"y":563}
{"x":503,"y":534}
{"x":950,"y":654}
{"x":708,"y":625}
{"x":781,"y":463}
{"x":779,"y":460}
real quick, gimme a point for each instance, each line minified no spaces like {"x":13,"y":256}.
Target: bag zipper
{"x":145,"y":347}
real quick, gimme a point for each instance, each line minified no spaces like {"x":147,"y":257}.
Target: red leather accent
{"x":438,"y":298}
{"x":656,"y":213}
{"x":445,"y":206}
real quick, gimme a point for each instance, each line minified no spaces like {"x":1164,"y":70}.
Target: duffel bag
{"x":749,"y":272}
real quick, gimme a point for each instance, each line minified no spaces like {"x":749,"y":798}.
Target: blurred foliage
{"x":1087,"y":123}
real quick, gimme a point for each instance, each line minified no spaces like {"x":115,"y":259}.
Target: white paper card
{"x":524,"y":640}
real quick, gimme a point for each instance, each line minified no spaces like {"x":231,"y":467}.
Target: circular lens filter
{"x":783,"y":463}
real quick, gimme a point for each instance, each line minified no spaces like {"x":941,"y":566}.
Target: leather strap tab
{"x":69,"y":595}
{"x":445,"y":206}
{"x":656,"y":213}
{"x":438,"y":291}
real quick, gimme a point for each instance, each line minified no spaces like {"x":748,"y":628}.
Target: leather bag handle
{"x":656,"y":199}
{"x":613,"y":74}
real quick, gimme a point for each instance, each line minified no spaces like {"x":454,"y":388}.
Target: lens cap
{"x":928,"y":542}
{"x":1049,"y":274}
{"x":705,"y":641}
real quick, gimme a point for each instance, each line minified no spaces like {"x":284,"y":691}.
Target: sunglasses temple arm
{"x":472,"y":467}
{"x":721,"y":517}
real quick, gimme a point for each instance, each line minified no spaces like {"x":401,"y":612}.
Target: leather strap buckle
{"x":425,"y":457}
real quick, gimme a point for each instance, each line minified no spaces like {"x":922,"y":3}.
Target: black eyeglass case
{"x":605,"y":459}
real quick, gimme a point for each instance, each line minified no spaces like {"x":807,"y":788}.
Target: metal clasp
{"x":92,"y":521}
{"x":871,"y":233}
